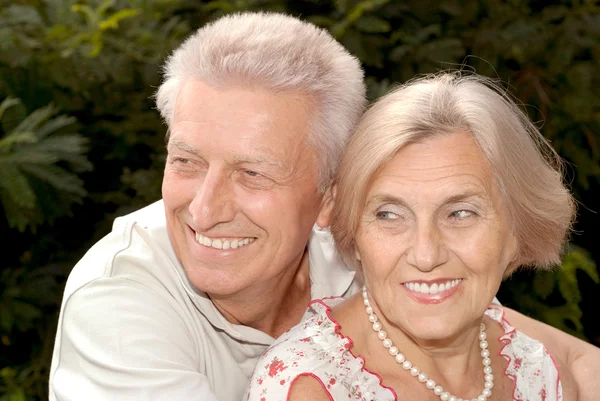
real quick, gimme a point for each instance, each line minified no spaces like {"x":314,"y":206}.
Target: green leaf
{"x":7,"y":318}
{"x":33,"y":120}
{"x":15,"y":185}
{"x":54,"y":125}
{"x":59,"y":178}
{"x":17,"y":14}
{"x":21,"y":137}
{"x":7,"y":103}
{"x":113,"y":21}
{"x":371,"y":24}
{"x":26,"y":311}
{"x":543,"y":283}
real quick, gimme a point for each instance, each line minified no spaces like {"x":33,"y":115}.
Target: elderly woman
{"x":445,"y":189}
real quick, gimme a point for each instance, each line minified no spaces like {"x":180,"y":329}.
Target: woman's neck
{"x":454,"y":362}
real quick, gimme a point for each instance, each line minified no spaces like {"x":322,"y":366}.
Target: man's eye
{"x":180,"y":160}
{"x":252,"y":173}
{"x":385,"y":215}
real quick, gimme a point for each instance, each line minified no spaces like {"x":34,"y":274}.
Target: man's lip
{"x":219,"y":235}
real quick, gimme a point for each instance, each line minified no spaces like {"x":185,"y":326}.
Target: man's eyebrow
{"x":183,"y":146}
{"x":257,"y":159}
{"x":246,"y":159}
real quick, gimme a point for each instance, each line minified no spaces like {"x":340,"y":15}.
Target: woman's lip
{"x":432,"y":298}
{"x":436,"y":281}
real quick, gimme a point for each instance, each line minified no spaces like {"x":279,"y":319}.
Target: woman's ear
{"x":356,"y":253}
{"x":324,"y":217}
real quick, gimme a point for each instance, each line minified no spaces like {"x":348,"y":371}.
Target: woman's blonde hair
{"x":528,"y":171}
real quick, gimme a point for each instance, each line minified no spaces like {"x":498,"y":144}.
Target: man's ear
{"x":324,"y":217}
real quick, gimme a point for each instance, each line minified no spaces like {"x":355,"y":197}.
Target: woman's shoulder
{"x":529,"y":364}
{"x":316,"y":352}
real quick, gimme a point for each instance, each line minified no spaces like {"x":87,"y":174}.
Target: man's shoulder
{"x":137,"y":244}
{"x":151,"y":216}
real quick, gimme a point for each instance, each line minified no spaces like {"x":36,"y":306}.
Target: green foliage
{"x":38,"y":180}
{"x":532,"y":296}
{"x":98,"y":61}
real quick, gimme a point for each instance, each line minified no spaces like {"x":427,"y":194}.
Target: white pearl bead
{"x":416,"y":372}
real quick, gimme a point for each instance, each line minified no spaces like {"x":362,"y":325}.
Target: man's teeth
{"x":223,"y":243}
{"x":433,"y":288}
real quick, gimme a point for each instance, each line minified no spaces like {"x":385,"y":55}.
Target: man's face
{"x":240,"y":185}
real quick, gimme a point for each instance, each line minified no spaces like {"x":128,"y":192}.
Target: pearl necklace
{"x":416,"y":372}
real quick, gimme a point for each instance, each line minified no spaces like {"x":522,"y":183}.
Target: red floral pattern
{"x":316,"y":348}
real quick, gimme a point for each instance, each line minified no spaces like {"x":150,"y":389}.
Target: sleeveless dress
{"x":316,"y":348}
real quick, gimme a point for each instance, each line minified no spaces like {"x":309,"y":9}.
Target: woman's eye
{"x":461,"y":214}
{"x":385,"y":215}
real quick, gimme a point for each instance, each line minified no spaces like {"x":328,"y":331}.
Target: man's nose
{"x":427,"y":250}
{"x":214,"y":201}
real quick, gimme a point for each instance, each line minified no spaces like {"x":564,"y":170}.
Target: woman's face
{"x":434,"y":239}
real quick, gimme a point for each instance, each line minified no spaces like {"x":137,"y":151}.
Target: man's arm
{"x":582,"y":359}
{"x":120,"y":340}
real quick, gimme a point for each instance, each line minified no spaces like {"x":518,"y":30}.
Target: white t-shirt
{"x":131,"y":326}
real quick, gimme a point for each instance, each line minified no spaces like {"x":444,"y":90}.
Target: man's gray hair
{"x":280,"y":53}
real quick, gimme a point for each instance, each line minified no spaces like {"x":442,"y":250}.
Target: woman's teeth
{"x":223,"y":243}
{"x":432,"y":289}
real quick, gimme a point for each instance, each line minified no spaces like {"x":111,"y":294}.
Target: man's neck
{"x":274,"y":307}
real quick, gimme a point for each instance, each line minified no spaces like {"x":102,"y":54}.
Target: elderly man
{"x":182,"y":297}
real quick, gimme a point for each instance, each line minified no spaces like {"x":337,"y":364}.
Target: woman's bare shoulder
{"x":308,"y":388}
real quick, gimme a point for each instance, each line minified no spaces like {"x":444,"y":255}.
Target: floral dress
{"x":316,"y":348}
